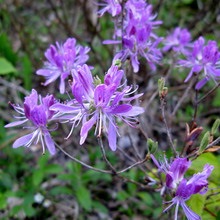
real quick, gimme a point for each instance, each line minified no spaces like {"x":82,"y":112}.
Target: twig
{"x":166,"y":126}
{"x":104,"y":155}
{"x":134,"y":147}
{"x":195,"y":107}
{"x":82,"y":163}
{"x":216,"y":141}
{"x":133,"y":165}
{"x":136,"y":183}
{"x":186,"y":93}
{"x":14,"y":86}
{"x":210,"y":92}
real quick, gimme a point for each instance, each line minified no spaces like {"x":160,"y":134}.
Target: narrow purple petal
{"x":199,"y":180}
{"x":77,"y":91}
{"x":170,"y":180}
{"x":111,"y":42}
{"x":177,"y":171}
{"x":15,"y":123}
{"x":135,"y":63}
{"x":85,"y":129}
{"x":121,"y":109}
{"x":112,"y":136}
{"x":29,"y":102}
{"x":201,"y":83}
{"x":155,"y":161}
{"x":134,"y":111}
{"x":62,"y":86}
{"x":49,"y":143}
{"x":189,"y":76}
{"x":189,"y":213}
{"x":64,"y":108}
{"x":22,"y":141}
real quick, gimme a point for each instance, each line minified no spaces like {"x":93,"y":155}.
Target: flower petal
{"x":22,"y":141}
{"x":15,"y":123}
{"x":135,"y":110}
{"x":201,"y":83}
{"x":112,"y":136}
{"x":121,"y":109}
{"x":189,"y":213}
{"x":85,"y":129}
{"x":49,"y":143}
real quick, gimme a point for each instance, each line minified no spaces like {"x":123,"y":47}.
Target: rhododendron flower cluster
{"x":203,"y":60}
{"x":37,"y":111}
{"x":182,"y":187}
{"x":62,"y":60}
{"x":137,"y":37}
{"x":179,"y":41}
{"x":99,"y":104}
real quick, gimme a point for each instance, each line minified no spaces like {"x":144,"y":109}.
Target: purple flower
{"x":61,"y":60}
{"x":39,"y":115}
{"x":137,"y":35}
{"x":174,"y":171}
{"x":196,"y":184}
{"x":99,"y":104}
{"x":203,"y":59}
{"x":178,"y":41}
{"x":113,"y":7}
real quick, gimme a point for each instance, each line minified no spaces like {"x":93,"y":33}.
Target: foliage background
{"x":70,"y":191}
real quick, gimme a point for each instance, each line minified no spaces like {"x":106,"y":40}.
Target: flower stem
{"x":82,"y":163}
{"x":166,"y":126}
{"x":104,"y":155}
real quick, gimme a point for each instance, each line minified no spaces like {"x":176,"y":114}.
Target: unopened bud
{"x":152,"y":146}
{"x":117,"y":63}
{"x":163,"y":90}
{"x":97,"y":80}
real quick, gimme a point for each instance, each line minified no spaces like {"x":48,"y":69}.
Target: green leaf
{"x":146,"y":197}
{"x":215,"y":126}
{"x":204,"y":142}
{"x":29,"y":210}
{"x":152,"y":146}
{"x":42,"y":162}
{"x":2,"y":130}
{"x":187,"y":2}
{"x":27,"y":72}
{"x":6,"y":49}
{"x":212,"y":204}
{"x":37,"y":177}
{"x":99,"y":207}
{"x":53,"y":168}
{"x":58,"y":190}
{"x":6,"y":67}
{"x":3,"y":201}
{"x":122,"y":195}
{"x":216,"y":100}
{"x":84,"y":198}
{"x":16,"y":209}
{"x":92,"y":176}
